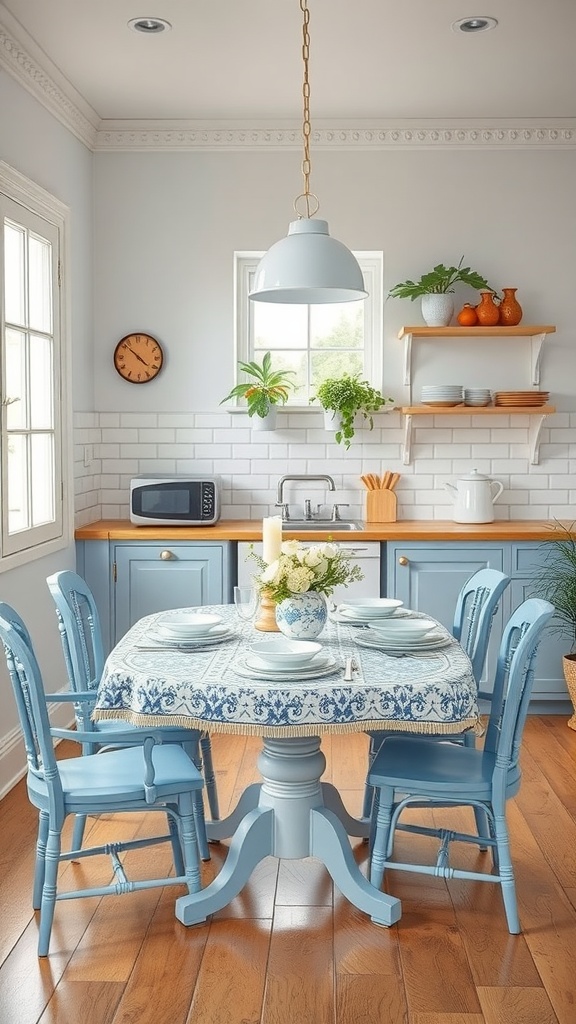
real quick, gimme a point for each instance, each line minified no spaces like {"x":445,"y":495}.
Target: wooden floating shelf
{"x":521,"y":331}
{"x":539,"y":412}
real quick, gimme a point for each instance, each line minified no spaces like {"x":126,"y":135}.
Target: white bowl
{"x":370,"y":607}
{"x":408,"y":629}
{"x":188,"y":624}
{"x":281,"y":653}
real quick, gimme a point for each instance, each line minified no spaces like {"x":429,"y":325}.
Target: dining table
{"x":213,"y":686}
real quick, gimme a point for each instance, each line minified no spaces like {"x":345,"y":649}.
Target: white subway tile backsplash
{"x":251,"y":462}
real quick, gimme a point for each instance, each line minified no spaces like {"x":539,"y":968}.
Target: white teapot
{"x":474,"y":496}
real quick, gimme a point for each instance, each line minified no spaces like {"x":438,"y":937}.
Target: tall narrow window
{"x":316,"y":341}
{"x":32,"y":375}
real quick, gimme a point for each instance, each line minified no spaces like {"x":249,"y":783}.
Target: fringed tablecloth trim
{"x":305,"y":729}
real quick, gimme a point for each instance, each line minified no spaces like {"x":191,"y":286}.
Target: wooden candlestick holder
{"x":266,"y":621}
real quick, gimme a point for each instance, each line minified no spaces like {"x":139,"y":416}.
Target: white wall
{"x":36,"y":144}
{"x":167,"y":226}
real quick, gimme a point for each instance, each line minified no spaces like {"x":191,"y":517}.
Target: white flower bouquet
{"x":319,"y":567}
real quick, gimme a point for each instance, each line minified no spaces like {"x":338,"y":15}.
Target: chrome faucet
{"x":280,"y":503}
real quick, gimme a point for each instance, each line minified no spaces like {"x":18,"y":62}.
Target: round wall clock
{"x":138,"y":358}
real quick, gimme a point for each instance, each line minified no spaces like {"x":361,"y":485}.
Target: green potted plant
{"x":266,"y":389}
{"x":435,"y":289}
{"x":555,"y":580}
{"x":343,"y":398}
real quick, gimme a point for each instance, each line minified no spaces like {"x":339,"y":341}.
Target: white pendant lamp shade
{"x":308,"y":266}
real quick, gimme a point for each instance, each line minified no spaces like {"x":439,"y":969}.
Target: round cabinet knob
{"x":402,"y":560}
{"x":166,"y":556}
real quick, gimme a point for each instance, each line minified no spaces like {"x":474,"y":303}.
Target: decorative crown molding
{"x":452,"y":135}
{"x":112,"y":135}
{"x":29,"y":74}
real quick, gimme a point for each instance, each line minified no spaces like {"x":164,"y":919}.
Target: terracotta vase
{"x":510,"y":308}
{"x":467,"y":317}
{"x":487,"y":311}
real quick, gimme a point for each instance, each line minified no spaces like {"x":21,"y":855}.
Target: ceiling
{"x":241,"y":59}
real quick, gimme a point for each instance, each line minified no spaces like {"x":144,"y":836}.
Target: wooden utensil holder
{"x":381,"y":506}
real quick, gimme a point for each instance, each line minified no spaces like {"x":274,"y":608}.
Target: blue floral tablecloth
{"x":429,"y":693}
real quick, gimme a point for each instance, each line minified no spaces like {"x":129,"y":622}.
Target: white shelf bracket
{"x":536,"y":342}
{"x":408,"y":361}
{"x":534,"y":431}
{"x":407,"y":455}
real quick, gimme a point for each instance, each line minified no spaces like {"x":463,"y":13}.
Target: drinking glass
{"x":246,"y":600}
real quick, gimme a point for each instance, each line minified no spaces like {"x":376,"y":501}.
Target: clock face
{"x":138,"y":358}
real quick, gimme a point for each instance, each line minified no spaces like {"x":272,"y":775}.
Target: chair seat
{"x":120,"y":774}
{"x":424,"y":766}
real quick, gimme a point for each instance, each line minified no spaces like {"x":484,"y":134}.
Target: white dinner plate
{"x":342,"y":615}
{"x":174,"y":634}
{"x":197,"y":641}
{"x":246,"y":667}
{"x":412,"y":648}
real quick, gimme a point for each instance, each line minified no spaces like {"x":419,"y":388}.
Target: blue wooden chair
{"x":407,"y":771}
{"x":473,"y":617}
{"x":143,"y":777}
{"x":81,"y":636}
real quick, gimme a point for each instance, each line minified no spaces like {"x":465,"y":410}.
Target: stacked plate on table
{"x":363,"y":610}
{"x":283,"y":660}
{"x":529,"y":399}
{"x":188,"y":629}
{"x":404,"y":636}
{"x":442,"y":395}
{"x":477,"y":396}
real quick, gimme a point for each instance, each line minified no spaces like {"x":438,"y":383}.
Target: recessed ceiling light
{"x":151,"y":26}
{"x":480,"y":23}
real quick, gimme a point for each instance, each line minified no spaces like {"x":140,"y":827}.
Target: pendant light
{"x":308,"y":266}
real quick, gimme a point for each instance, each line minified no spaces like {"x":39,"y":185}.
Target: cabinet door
{"x":549,"y":683}
{"x":429,"y":577}
{"x":154,"y":577}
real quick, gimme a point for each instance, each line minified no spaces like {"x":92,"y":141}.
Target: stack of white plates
{"x":252,"y":666}
{"x":368,"y":609}
{"x":188,"y":628}
{"x":403,"y":629}
{"x":477,"y":396}
{"x":432,"y":641}
{"x":442,"y":395}
{"x":279,"y":653}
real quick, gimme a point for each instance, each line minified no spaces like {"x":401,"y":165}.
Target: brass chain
{"x":307,"y":195}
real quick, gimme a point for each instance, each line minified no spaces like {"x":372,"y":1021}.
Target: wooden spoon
{"x":386,"y":478}
{"x":375,"y":481}
{"x":367,"y":482}
{"x":394,"y":480}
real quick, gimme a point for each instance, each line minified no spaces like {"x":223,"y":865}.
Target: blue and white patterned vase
{"x":302,"y":616}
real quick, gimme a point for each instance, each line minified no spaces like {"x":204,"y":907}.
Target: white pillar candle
{"x":271,"y":538}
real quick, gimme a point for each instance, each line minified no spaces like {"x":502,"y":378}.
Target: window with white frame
{"x":316,"y":341}
{"x":32,"y":371}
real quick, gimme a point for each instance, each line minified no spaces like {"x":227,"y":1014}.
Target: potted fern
{"x":555,"y":580}
{"x":344,"y":398}
{"x":435,"y":290}
{"x":266,"y":389}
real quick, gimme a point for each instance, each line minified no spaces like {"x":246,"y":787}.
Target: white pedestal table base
{"x":291,"y":814}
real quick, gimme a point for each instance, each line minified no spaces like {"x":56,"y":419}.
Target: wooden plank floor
{"x":290,"y":949}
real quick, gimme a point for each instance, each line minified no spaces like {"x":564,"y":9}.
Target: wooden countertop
{"x":408,"y":530}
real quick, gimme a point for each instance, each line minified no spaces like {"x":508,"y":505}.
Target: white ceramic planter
{"x":437,"y":310}
{"x":264,"y":422}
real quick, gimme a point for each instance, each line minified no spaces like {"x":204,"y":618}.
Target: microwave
{"x":175,"y":500}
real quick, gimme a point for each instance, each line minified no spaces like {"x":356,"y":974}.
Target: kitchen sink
{"x":325,"y":525}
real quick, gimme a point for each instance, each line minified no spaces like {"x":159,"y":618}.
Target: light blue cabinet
{"x":428,"y":576}
{"x":131,"y":579}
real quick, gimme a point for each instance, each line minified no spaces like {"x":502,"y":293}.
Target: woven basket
{"x":569,"y":661}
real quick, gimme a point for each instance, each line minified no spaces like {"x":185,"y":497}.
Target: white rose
{"x":270,"y":572}
{"x":290,"y":547}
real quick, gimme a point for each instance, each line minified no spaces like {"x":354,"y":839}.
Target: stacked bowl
{"x":477,"y":396}
{"x":442,"y":395}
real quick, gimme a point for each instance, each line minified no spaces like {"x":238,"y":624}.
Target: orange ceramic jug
{"x":487,"y":311}
{"x":510,"y":308}
{"x":467,"y":316}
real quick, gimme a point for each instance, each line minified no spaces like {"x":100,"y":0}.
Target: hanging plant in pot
{"x":555,"y":580}
{"x":266,"y":390}
{"x":435,"y":289}
{"x":344,"y":398}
